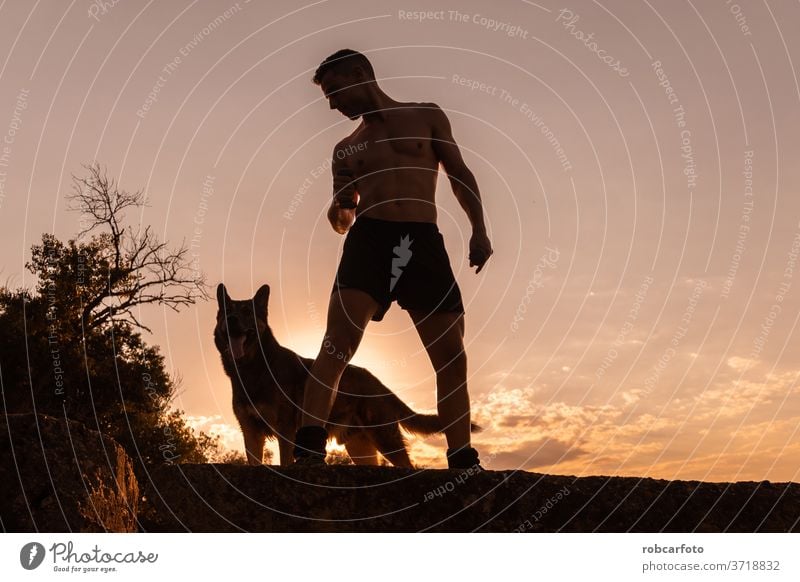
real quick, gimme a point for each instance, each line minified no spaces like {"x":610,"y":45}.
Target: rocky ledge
{"x":235,"y":498}
{"x":61,"y":476}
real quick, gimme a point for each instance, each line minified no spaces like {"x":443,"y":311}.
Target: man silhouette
{"x":394,"y":249}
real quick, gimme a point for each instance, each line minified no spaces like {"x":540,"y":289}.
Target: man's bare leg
{"x":442,"y":334}
{"x":349,"y":311}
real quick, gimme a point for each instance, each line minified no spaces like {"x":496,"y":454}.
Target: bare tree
{"x":139,"y":269}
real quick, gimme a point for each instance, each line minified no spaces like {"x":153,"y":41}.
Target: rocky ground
{"x":60,"y":476}
{"x":214,"y":498}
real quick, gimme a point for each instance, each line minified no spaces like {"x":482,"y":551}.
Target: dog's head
{"x":240,"y":324}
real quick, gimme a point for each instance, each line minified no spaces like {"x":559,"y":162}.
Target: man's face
{"x":344,"y":93}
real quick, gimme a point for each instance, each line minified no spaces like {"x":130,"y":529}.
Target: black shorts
{"x":405,"y":261}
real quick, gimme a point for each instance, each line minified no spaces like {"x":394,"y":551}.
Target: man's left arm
{"x":464,"y":185}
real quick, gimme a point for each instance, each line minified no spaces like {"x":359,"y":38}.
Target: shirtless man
{"x":394,"y":249}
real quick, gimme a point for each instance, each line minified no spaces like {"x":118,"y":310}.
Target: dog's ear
{"x":222,"y":295}
{"x":261,"y":300}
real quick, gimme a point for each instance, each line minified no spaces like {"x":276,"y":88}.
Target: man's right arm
{"x":332,"y":214}
{"x":340,"y":184}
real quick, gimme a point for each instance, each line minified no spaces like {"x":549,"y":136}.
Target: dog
{"x":268,"y":382}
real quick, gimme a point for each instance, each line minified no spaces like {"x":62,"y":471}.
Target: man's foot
{"x":309,"y":446}
{"x":463,"y":458}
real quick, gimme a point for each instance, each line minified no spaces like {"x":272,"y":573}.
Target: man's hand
{"x":480,"y":249}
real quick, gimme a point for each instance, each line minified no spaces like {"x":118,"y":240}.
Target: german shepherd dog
{"x":268,"y":382}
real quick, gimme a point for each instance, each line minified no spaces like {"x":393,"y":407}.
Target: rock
{"x":227,"y":498}
{"x":60,"y":476}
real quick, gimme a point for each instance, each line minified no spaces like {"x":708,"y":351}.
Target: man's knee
{"x":350,"y":307}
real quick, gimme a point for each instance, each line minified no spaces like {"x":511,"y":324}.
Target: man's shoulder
{"x":429,"y":111}
{"x":347,"y":141}
{"x":422,"y":107}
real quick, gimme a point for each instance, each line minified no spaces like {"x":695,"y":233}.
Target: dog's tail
{"x":390,"y":407}
{"x":425,"y":424}
{"x":422,"y":424}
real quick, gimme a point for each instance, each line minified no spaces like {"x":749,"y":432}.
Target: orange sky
{"x":638,"y":163}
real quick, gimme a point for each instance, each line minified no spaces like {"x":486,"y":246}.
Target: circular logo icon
{"x":31,"y":555}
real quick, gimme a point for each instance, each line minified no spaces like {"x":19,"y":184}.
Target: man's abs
{"x":400,"y":194}
{"x":397,"y":208}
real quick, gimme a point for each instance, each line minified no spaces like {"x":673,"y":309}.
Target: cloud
{"x":734,"y":429}
{"x":532,"y":454}
{"x":744,"y":398}
{"x":741,"y":364}
{"x":230,"y":437}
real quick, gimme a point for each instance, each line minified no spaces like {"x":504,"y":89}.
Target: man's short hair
{"x":342,"y":62}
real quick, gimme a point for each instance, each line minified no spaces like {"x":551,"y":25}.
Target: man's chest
{"x":398,"y":142}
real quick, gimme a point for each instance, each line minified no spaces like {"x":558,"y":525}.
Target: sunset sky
{"x":638,"y":164}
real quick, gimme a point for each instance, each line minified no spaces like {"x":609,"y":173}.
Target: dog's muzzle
{"x":235,"y":337}
{"x":236,"y":346}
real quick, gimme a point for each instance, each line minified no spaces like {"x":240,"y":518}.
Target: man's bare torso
{"x":394,"y":163}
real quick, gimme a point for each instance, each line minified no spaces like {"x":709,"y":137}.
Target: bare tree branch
{"x":141,"y":269}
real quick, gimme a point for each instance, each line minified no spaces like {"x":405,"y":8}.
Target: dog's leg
{"x":392,"y":445}
{"x":286,"y":448}
{"x":254,"y":444}
{"x":361,"y":449}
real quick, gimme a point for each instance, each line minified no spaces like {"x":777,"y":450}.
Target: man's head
{"x":346,"y":77}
